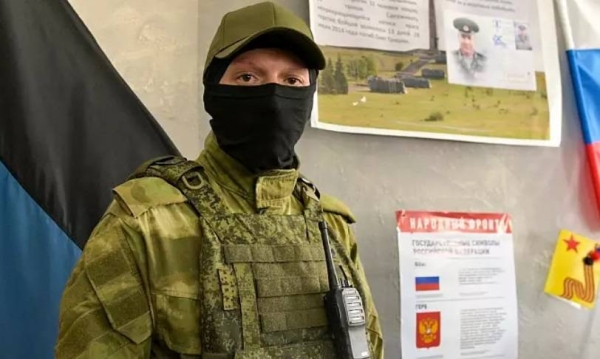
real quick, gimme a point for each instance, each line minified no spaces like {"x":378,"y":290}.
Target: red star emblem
{"x":571,"y":244}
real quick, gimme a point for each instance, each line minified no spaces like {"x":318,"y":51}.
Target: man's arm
{"x":347,"y":239}
{"x":104,"y":310}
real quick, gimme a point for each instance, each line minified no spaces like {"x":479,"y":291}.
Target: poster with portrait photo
{"x":482,"y":52}
{"x":390,"y":71}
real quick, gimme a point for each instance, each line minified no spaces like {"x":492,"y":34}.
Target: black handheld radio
{"x":345,"y":311}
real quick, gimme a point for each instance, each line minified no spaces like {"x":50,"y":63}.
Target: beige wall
{"x":154,"y":45}
{"x":159,"y":47}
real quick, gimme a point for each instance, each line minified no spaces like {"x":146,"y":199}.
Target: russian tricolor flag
{"x":426,"y":284}
{"x":581,"y":25}
{"x":70,"y":130}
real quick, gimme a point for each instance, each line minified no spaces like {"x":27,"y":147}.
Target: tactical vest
{"x":262,"y":277}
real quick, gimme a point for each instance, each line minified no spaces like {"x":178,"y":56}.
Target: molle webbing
{"x":263,"y":276}
{"x":242,"y":253}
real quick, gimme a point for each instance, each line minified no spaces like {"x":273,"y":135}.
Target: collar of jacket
{"x":266,"y":189}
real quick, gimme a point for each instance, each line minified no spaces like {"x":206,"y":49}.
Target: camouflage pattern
{"x":245,"y":279}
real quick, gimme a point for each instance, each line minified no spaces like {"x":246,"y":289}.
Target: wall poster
{"x":457,"y":285}
{"x":469,"y":70}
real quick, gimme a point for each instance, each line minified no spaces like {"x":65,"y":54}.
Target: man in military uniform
{"x":522,"y":38}
{"x":222,"y":257}
{"x":469,"y":61}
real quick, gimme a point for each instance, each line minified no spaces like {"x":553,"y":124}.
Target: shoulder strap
{"x":187,"y":176}
{"x":317,"y":203}
{"x":311,"y":197}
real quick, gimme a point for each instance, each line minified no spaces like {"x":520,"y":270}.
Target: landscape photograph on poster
{"x":388,"y":90}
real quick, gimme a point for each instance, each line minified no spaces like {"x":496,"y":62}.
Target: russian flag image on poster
{"x":426,"y":284}
{"x":582,"y":35}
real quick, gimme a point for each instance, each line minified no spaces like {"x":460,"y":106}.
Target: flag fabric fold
{"x":70,"y":130}
{"x":579,"y":20}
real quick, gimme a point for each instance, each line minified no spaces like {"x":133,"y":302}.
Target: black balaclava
{"x":257,"y":125}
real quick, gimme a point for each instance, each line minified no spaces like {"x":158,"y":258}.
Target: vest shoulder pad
{"x":333,"y":205}
{"x":139,"y":195}
{"x":141,"y":170}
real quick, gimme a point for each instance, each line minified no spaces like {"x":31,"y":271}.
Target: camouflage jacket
{"x":135,"y":291}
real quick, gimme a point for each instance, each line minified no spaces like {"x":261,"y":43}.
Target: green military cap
{"x":466,"y":26}
{"x":238,"y":28}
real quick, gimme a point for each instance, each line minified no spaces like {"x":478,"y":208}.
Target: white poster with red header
{"x":457,"y":282}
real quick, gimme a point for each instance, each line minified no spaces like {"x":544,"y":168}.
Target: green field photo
{"x":346,"y":99}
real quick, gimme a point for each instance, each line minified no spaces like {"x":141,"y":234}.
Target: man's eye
{"x":245,"y":77}
{"x":293,"y":81}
